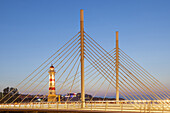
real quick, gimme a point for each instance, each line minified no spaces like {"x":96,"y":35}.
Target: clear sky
{"x":32,"y":30}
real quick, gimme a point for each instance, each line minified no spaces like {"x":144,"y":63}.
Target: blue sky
{"x":32,"y":30}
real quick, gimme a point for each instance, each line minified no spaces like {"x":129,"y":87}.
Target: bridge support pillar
{"x":117,"y":67}
{"x":82,"y":57}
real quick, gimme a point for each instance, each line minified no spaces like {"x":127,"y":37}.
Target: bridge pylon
{"x":117,"y":66}
{"x":82,"y":56}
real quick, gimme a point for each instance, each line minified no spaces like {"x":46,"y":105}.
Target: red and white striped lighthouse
{"x":52,"y":92}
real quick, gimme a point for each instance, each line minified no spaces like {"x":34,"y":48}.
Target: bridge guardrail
{"x":127,"y":105}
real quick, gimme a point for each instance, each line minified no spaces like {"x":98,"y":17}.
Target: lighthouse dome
{"x":51,"y":67}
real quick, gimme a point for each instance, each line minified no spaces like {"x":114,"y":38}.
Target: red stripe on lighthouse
{"x":51,"y":88}
{"x":52,"y":79}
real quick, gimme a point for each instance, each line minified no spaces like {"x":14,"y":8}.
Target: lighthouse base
{"x":52,"y":98}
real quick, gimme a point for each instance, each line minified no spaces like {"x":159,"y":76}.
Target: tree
{"x":13,"y":90}
{"x":6,"y":91}
{"x":10,"y":90}
{"x":10,"y":94}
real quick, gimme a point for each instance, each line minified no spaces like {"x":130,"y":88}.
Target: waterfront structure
{"x":52,"y":91}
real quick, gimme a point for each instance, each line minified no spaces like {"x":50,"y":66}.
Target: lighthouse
{"x":52,"y":92}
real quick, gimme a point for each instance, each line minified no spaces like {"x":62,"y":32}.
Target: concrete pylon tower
{"x":117,"y":67}
{"x":52,"y":92}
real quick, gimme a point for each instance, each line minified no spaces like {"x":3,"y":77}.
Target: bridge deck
{"x":89,"y":107}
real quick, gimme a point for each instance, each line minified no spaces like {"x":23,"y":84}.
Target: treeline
{"x":9,"y":94}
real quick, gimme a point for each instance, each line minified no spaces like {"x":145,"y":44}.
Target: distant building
{"x":34,"y":98}
{"x":76,"y":97}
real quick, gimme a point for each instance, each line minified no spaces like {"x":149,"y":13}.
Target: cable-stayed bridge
{"x":80,"y":72}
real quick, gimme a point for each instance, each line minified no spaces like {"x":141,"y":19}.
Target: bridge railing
{"x":125,"y":105}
